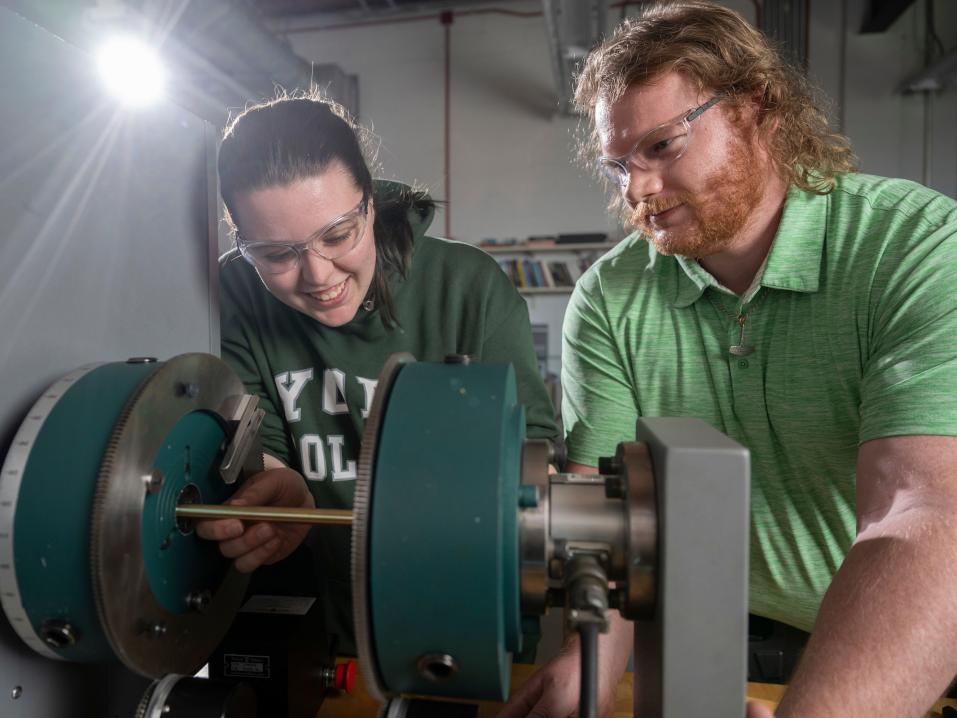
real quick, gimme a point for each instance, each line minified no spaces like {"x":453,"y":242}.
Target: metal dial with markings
{"x":93,"y":563}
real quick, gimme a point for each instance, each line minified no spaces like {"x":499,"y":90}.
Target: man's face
{"x":698,"y":204}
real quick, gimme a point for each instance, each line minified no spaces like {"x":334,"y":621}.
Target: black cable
{"x":588,"y":700}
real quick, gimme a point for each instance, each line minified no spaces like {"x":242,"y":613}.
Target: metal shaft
{"x":341,"y":517}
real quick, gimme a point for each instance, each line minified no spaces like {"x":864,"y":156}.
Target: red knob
{"x":346,"y":676}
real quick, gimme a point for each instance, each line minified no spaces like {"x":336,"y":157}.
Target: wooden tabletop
{"x":359,"y":705}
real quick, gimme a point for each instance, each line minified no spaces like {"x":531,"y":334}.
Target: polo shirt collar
{"x":794,"y":262}
{"x":798,"y":250}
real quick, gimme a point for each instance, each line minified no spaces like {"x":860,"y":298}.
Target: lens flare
{"x":132,"y":71}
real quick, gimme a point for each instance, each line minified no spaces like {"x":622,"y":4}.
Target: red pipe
{"x":446,"y":19}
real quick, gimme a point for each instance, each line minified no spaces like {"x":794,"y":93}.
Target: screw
{"x":58,"y":633}
{"x":16,"y":692}
{"x":458,"y":359}
{"x":199,"y":600}
{"x":327,"y":677}
{"x":156,"y":630}
{"x":153,"y":481}
{"x":188,"y":389}
{"x":141,"y":360}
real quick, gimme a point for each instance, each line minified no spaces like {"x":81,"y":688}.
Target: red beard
{"x":718,"y":215}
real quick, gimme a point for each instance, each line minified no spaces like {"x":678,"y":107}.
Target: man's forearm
{"x":883,"y":643}
{"x":614,"y":649}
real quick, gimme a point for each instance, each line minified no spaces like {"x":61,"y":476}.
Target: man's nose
{"x":642,"y":184}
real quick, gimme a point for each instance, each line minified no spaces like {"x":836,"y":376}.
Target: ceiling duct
{"x":786,"y":22}
{"x":226,"y":35}
{"x":574,"y":27}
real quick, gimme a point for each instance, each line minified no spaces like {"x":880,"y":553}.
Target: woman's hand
{"x":257,"y":544}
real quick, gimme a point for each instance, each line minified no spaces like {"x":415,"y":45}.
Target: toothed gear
{"x":361,"y":506}
{"x":145,"y":634}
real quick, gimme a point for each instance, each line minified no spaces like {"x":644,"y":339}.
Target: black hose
{"x":588,"y":700}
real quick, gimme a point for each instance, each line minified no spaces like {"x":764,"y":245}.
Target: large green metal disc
{"x":443,"y":565}
{"x":47,"y":486}
{"x":93,"y":564}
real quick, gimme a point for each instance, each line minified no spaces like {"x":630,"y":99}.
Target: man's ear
{"x":761,"y":101}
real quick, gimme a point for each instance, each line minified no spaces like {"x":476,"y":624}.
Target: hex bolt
{"x":16,"y":692}
{"x":557,"y":454}
{"x":614,"y":487}
{"x":609,"y":465}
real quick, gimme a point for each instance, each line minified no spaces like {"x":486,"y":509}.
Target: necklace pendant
{"x":741,"y":350}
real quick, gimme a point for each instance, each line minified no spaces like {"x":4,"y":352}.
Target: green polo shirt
{"x":854,"y":325}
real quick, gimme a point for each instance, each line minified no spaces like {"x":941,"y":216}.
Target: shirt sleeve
{"x":510,"y":340}
{"x":242,"y":351}
{"x":910,"y":375}
{"x":598,"y":406}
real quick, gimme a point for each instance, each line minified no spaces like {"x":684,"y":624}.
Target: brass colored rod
{"x":342,"y":517}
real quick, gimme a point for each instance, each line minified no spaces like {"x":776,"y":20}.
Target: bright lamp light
{"x":131,"y":70}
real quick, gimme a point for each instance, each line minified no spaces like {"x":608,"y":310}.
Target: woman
{"x":333,"y":272}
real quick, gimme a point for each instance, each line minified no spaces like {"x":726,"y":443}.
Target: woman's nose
{"x":314,"y":267}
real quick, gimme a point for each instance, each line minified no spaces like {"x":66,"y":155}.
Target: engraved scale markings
{"x":12,"y":475}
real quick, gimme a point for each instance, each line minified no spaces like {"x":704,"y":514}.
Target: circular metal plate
{"x":443,"y":519}
{"x":365,"y":645}
{"x":144,"y":634}
{"x":534,"y":529}
{"x":642,"y":515}
{"x":12,"y":476}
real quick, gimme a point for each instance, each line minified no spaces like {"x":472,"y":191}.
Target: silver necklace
{"x":740,"y":349}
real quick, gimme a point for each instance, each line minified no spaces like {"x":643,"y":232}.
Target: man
{"x":807,"y":311}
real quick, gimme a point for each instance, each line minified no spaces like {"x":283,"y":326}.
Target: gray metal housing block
{"x":691,"y":659}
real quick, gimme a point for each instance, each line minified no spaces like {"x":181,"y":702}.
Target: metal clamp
{"x":244,"y":419}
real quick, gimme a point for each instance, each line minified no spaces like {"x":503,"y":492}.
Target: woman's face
{"x":329,"y":291}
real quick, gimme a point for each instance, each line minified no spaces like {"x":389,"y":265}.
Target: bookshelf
{"x":546,"y":289}
{"x":526,"y":249}
{"x":541,"y":269}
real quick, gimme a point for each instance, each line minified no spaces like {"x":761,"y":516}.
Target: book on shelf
{"x":536,"y":274}
{"x":561,"y":275}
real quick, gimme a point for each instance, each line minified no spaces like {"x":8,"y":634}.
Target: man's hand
{"x":261,"y":543}
{"x":759,"y":710}
{"x":553,"y":691}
